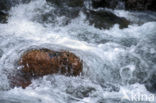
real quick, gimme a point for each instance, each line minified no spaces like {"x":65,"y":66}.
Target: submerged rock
{"x":19,"y":79}
{"x":40,"y":62}
{"x":105,"y":19}
{"x":1,"y":53}
{"x":151,"y":84}
{"x":80,"y":91}
{"x":67,"y":9}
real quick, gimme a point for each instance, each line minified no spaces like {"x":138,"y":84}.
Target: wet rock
{"x":151,"y":84}
{"x":43,"y":62}
{"x":4,"y":8}
{"x":140,"y":4}
{"x":80,"y":92}
{"x":68,"y":9}
{"x":3,"y":17}
{"x":104,"y":3}
{"x":64,"y":12}
{"x":105,"y":19}
{"x":127,"y":4}
{"x":1,"y":53}
{"x":69,"y":3}
{"x":5,"y":5}
{"x":19,"y":79}
{"x":40,"y":62}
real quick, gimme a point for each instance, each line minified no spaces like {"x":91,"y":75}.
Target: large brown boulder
{"x":40,"y":62}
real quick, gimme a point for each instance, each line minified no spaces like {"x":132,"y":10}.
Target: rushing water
{"x":116,"y":61}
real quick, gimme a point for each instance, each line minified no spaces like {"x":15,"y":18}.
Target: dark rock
{"x":105,"y":19}
{"x":37,"y":63}
{"x":105,"y":3}
{"x":3,"y":17}
{"x":68,"y":9}
{"x":151,"y":84}
{"x":80,"y":91}
{"x":69,"y":13}
{"x":128,"y":4}
{"x":4,"y":8}
{"x":5,"y":5}
{"x":69,"y":3}
{"x":19,"y":79}
{"x":140,"y":4}
{"x":1,"y":53}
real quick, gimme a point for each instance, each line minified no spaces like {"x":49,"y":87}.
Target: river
{"x":116,"y":62}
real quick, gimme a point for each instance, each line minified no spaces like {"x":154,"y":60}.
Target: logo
{"x":137,"y":96}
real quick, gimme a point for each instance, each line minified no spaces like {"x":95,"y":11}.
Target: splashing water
{"x":115,"y":59}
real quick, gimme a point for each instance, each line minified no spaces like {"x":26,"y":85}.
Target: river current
{"x":116,"y":62}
